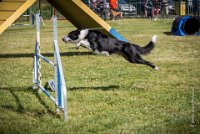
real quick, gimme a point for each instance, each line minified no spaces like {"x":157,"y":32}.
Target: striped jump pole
{"x":60,"y":98}
{"x":37,"y":60}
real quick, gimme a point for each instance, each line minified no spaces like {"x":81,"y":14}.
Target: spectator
{"x":106,"y":10}
{"x":94,"y":3}
{"x":99,"y":7}
{"x":113,"y":9}
{"x":148,"y":8}
{"x":145,"y":7}
{"x":164,"y":8}
{"x":103,"y":2}
{"x":155,"y":5}
{"x":196,"y":7}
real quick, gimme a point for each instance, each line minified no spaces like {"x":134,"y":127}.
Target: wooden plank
{"x":1,"y":22}
{"x":13,"y":0}
{"x":4,"y":15}
{"x":10,"y":5}
{"x":16,"y":14}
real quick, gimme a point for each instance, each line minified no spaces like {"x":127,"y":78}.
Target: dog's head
{"x":75,"y":36}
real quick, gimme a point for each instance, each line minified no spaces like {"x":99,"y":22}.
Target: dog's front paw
{"x":77,"y":46}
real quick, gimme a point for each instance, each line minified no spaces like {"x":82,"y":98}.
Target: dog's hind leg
{"x":138,"y":59}
{"x":141,"y":61}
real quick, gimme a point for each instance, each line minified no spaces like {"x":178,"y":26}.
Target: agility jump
{"x":60,"y":98}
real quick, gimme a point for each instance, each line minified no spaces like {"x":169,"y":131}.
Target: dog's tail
{"x":147,"y":49}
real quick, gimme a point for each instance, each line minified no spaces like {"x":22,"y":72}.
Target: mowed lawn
{"x":106,"y":95}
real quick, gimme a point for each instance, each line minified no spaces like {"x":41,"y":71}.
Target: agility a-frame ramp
{"x":82,"y":16}
{"x":10,"y":10}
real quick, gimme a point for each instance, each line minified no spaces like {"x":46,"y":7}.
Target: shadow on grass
{"x":27,"y":55}
{"x":20,"y":108}
{"x":103,"y":88}
{"x":168,"y":33}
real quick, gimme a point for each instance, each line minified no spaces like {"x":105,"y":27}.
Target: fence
{"x":155,"y":8}
{"x":193,"y":7}
{"x":131,"y":8}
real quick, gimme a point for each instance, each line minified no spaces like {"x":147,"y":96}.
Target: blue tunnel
{"x":186,"y":25}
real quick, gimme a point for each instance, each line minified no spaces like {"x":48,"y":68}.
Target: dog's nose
{"x":63,"y":39}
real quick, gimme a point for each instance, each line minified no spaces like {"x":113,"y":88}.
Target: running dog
{"x":100,"y":43}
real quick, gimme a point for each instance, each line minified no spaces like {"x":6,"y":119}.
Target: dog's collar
{"x":83,"y":34}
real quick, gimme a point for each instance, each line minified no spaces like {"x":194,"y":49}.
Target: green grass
{"x":106,"y":95}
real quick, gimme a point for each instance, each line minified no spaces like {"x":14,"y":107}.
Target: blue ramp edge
{"x":114,"y":33}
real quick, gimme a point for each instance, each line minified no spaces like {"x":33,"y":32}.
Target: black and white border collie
{"x":99,"y":43}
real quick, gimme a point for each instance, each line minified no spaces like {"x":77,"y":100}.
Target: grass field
{"x":106,"y":95}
